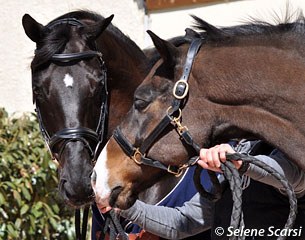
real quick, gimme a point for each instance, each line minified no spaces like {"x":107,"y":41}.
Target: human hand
{"x":211,"y":158}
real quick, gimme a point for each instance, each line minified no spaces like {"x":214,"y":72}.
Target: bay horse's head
{"x":69,"y":90}
{"x":138,"y":155}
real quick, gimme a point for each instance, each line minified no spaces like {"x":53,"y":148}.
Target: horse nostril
{"x":93,"y":176}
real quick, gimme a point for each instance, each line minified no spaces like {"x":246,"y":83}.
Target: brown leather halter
{"x":173,"y":117}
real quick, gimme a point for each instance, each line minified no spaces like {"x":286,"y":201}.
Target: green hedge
{"x":30,"y":206}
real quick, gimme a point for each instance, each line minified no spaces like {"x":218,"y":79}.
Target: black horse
{"x":69,"y":90}
{"x":68,"y":78}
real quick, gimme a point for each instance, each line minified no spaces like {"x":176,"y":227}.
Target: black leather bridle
{"x":173,"y":117}
{"x":83,"y":134}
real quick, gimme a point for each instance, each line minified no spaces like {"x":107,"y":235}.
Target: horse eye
{"x":140,"y":104}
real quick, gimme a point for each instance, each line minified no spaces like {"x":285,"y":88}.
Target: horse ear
{"x":94,"y":31}
{"x":191,"y":34}
{"x":166,"y":49}
{"x":31,"y":27}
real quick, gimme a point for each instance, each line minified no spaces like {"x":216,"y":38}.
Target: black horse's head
{"x":69,"y":90}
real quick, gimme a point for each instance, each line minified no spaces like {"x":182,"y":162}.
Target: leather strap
{"x":69,"y":57}
{"x":192,"y":52}
{"x":147,"y":143}
{"x":69,"y":21}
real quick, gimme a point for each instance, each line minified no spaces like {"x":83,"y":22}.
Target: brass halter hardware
{"x":169,"y":114}
{"x":176,"y":121}
{"x":137,"y":155}
{"x":186,"y":89}
{"x":177,"y":172}
{"x":181,"y":129}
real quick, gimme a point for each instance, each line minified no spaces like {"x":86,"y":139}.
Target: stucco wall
{"x":17,"y":50}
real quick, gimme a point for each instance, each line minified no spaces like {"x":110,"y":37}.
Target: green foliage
{"x":30,"y":207}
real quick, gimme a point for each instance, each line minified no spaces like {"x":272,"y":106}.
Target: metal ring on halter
{"x":135,"y":154}
{"x":186,"y":88}
{"x":169,"y":114}
{"x":176,"y":173}
{"x":195,"y":161}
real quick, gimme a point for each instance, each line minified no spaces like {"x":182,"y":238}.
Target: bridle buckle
{"x":180,"y":89}
{"x":137,"y":155}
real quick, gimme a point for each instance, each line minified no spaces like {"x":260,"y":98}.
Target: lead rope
{"x":232,"y":174}
{"x":234,"y":180}
{"x":288,"y":188}
{"x":113,"y":227}
{"x":233,"y":177}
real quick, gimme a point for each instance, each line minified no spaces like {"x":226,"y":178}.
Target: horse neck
{"x":125,"y":61}
{"x":126,"y":68}
{"x":256,"y":90}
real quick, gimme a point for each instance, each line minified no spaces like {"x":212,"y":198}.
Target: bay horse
{"x":73,"y":53}
{"x":243,"y":81}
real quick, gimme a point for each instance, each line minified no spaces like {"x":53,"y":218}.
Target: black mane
{"x":254,"y":27}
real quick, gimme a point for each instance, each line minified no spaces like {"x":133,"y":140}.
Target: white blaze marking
{"x":68,"y":80}
{"x":101,"y":188}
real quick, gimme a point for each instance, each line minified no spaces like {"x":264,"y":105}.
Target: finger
{"x":222,"y":155}
{"x":223,"y":149}
{"x":215,"y":156}
{"x":202,"y":154}
{"x":207,"y":167}
{"x":237,"y":163}
{"x":203,"y":164}
{"x":210,"y":158}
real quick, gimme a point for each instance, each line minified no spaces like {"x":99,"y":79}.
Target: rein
{"x":90,"y":138}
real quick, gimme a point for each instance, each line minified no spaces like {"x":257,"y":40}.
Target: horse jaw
{"x":109,"y":191}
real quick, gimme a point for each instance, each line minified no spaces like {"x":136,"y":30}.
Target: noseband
{"x":82,"y":134}
{"x":173,"y":117}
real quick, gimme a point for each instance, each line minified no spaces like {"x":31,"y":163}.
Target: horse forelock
{"x":50,"y":44}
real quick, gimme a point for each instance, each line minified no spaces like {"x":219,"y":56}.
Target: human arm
{"x":278,"y":161}
{"x":193,"y":217}
{"x":211,"y":158}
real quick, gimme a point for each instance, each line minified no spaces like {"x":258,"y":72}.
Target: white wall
{"x":17,"y":50}
{"x":225,"y":13}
